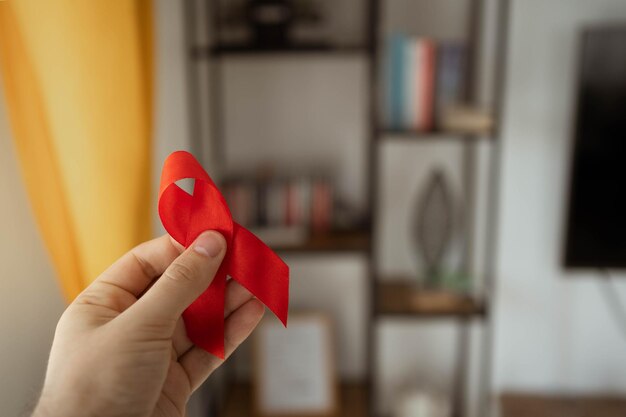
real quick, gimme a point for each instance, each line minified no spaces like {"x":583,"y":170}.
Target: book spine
{"x":315,"y":208}
{"x":418,"y":88}
{"x":276,"y":204}
{"x":249,"y":203}
{"x":428,"y":85}
{"x":321,"y":207}
{"x":457,"y":72}
{"x":236,"y":201}
{"x":290,"y":204}
{"x":304,"y":196}
{"x":302,"y":203}
{"x":411,"y":62}
{"x":261,"y":204}
{"x":327,"y":198}
{"x":396,"y":79}
{"x":450,"y":75}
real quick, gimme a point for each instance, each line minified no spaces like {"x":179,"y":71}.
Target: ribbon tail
{"x":204,"y":318}
{"x":255,"y":266}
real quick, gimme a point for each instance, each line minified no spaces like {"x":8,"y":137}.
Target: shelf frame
{"x":208,"y":52}
{"x":434,"y":135}
{"x":376,"y":137}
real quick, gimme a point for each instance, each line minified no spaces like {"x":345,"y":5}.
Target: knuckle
{"x":229,"y":347}
{"x":101,"y":297}
{"x":102,"y":294}
{"x":146,"y":267}
{"x":182,"y":272}
{"x":154,"y":329}
{"x":207,"y":360}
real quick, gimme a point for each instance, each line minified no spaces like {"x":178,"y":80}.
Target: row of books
{"x":300,"y":204}
{"x":423,"y":77}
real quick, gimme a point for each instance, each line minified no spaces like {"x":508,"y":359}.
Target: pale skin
{"x":120,"y":349}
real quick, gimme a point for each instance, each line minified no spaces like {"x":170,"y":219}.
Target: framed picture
{"x":294,"y":370}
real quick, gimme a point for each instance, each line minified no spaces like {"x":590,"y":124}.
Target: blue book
{"x":396,"y":56}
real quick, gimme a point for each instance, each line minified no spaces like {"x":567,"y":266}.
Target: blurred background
{"x":444,"y":179}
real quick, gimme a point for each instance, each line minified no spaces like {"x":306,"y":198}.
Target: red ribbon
{"x":248,"y":260}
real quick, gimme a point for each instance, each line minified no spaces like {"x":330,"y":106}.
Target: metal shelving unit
{"x":387,"y":300}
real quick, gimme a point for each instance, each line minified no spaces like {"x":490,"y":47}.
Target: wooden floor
{"x":353,"y":401}
{"x":531,"y":405}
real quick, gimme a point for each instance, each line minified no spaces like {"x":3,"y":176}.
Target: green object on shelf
{"x":454,"y":281}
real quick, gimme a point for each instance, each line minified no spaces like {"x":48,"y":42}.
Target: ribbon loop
{"x":248,"y":260}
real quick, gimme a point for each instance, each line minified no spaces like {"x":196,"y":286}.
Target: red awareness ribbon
{"x":248,"y":260}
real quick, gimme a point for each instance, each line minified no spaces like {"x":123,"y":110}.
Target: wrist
{"x":43,"y":410}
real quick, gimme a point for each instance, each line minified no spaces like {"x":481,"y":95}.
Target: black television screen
{"x":596,"y":218}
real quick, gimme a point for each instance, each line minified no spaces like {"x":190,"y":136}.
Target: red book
{"x":291,"y":204}
{"x":425,"y":83}
{"x":322,"y":204}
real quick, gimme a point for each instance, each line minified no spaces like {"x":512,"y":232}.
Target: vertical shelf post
{"x":373,"y":29}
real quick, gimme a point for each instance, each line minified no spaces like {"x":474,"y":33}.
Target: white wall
{"x":298,"y":113}
{"x":553,"y":328}
{"x":171,"y":120}
{"x":30,"y":300}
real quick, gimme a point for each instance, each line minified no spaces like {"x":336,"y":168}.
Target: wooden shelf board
{"x":353,"y":401}
{"x":357,"y":241}
{"x":397,"y":298}
{"x":200,"y":52}
{"x":416,"y":135}
{"x":544,"y":405}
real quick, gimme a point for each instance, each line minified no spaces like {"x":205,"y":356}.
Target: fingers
{"x":236,"y":296}
{"x":199,"y":364}
{"x":134,"y":271}
{"x":118,"y":287}
{"x":183,"y":281}
{"x":180,"y":340}
{"x":177,"y":245}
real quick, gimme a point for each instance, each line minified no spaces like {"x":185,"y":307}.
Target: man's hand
{"x":121,"y":349}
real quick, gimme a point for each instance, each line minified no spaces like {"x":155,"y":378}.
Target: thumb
{"x":183,"y":281}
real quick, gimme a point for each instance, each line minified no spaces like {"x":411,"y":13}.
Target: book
{"x":426,"y":79}
{"x":451,"y":74}
{"x":321,"y":207}
{"x":410,"y":95}
{"x":396,"y":80}
{"x":275,"y":206}
{"x":304,"y":197}
{"x":412,"y":84}
{"x":291,"y":204}
{"x":422,"y":72}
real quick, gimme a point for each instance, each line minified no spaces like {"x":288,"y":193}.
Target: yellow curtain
{"x":77,"y":77}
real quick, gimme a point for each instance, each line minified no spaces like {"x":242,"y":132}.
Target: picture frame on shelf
{"x":294,"y":368}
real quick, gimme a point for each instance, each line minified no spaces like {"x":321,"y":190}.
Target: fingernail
{"x":209,"y":244}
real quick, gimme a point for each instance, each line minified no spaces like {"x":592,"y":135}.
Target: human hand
{"x":120,"y":349}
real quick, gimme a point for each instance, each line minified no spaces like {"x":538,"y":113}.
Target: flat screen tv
{"x":596,"y":218}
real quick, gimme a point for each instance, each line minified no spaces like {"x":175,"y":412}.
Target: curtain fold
{"x":78,"y":80}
